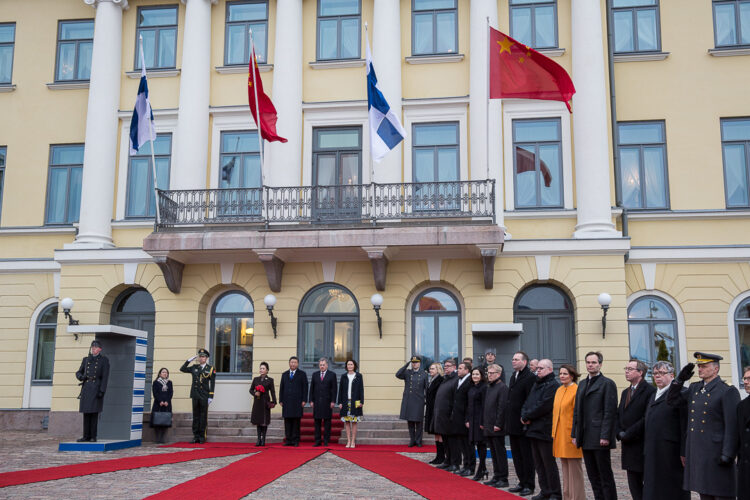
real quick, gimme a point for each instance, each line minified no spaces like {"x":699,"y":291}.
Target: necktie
{"x":291,"y":375}
{"x":629,"y":396}
{"x":321,"y":376}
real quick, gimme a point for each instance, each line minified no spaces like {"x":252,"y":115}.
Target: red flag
{"x":266,"y":108}
{"x":520,"y":72}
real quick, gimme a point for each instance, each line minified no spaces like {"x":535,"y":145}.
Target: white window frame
{"x":464,"y":334}
{"x":733,"y":340}
{"x":229,"y":119}
{"x":43,"y":391}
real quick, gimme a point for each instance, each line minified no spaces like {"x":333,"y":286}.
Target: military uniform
{"x":412,"y":401}
{"x":201,"y":392}
{"x":94,"y":375}
{"x":711,"y":442}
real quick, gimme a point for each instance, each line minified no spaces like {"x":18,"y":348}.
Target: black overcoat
{"x":412,"y":401}
{"x":630,"y":420}
{"x":458,"y":412}
{"x":429,"y":409}
{"x":94,"y":375}
{"x":475,"y":410}
{"x":595,"y":413}
{"x":292,"y":393}
{"x":538,"y":408}
{"x":358,"y":393}
{"x":711,"y":432}
{"x":518,"y":391}
{"x":743,"y":456}
{"x":664,"y":444}
{"x":161,"y":394}
{"x":444,"y":404}
{"x":261,"y":413}
{"x":495,"y":408}
{"x":322,"y":394}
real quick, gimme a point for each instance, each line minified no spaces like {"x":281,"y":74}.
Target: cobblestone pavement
{"x":327,"y":476}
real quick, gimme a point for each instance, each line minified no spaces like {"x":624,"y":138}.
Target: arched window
{"x":328,"y":327}
{"x":44,"y":346}
{"x":546,"y":314}
{"x":232,"y":326}
{"x":742,"y":324}
{"x":436,"y":323}
{"x":652,"y":328}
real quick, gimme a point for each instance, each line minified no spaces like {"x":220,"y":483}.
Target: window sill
{"x":729,"y":51}
{"x":68,"y":85}
{"x":37,"y":383}
{"x":7,"y":87}
{"x":730,"y":213}
{"x":32,"y":230}
{"x":240,"y":378}
{"x":560,"y":213}
{"x":641,"y":56}
{"x":129,"y":223}
{"x":154,"y":73}
{"x":435,"y":59}
{"x":237,"y":69}
{"x":552,"y":52}
{"x":344,"y":63}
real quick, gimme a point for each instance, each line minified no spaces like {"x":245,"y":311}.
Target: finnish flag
{"x":385,"y":128}
{"x":142,"y":124}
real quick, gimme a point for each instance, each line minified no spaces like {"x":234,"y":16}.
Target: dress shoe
{"x":288,"y":443}
{"x":419,"y":445}
{"x":296,"y":445}
{"x":453,"y":468}
{"x":411,"y":445}
{"x":443,"y":466}
{"x":316,"y":445}
{"x":93,"y":440}
{"x":202,"y":440}
{"x":525,"y":492}
{"x":436,"y":461}
{"x":195,"y":440}
{"x":540,"y":496}
{"x":325,"y":443}
{"x":516,"y":488}
{"x":491,"y":482}
{"x":82,"y":440}
{"x":465,"y":472}
{"x":501,"y":483}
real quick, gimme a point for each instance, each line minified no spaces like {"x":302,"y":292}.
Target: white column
{"x":590,"y":139}
{"x":282,"y":161}
{"x":484,"y":115}
{"x":386,"y":55}
{"x":191,"y":153}
{"x":100,"y":150}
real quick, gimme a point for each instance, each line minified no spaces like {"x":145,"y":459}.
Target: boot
{"x":440,"y":457}
{"x":260,"y":433}
{"x":263,"y":435}
{"x":481,"y":472}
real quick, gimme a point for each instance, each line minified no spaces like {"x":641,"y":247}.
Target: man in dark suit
{"x":459,"y":433}
{"x":94,"y":375}
{"x":519,"y":388}
{"x":293,"y":398}
{"x":594,"y":420}
{"x":443,"y":408}
{"x":630,"y":423}
{"x":412,"y":401}
{"x":201,"y":392}
{"x":323,"y":390}
{"x":711,"y":441}
{"x":495,"y":406}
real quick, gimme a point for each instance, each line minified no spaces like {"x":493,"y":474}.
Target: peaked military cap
{"x":490,"y":350}
{"x":96,"y":343}
{"x":701,"y":358}
{"x":415,"y":359}
{"x":203,"y":352}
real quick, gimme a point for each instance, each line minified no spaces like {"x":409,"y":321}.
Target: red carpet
{"x":420,"y":477}
{"x":102,"y":466}
{"x":242,"y":477}
{"x":398,"y":448}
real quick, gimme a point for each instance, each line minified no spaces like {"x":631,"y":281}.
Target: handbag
{"x":161,"y":419}
{"x":270,"y":404}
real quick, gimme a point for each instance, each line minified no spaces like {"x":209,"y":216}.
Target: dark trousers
{"x":415,"y":432}
{"x":200,"y":418}
{"x":546,"y":467}
{"x":159,"y":434}
{"x":326,"y":430}
{"x":599,"y":470}
{"x":291,"y":430}
{"x":496,"y":445}
{"x":635,"y":483}
{"x":481,"y":447}
{"x":467,"y":450}
{"x":523,"y":460}
{"x":90,"y":424}
{"x":453,"y":441}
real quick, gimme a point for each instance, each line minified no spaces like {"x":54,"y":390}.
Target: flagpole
{"x":257,"y":111}
{"x":487,"y":114}
{"x":153,"y":156}
{"x":372,"y":163}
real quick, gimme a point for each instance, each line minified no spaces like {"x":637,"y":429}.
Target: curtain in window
{"x":58,"y":187}
{"x":726,"y":33}
{"x":736,"y":175}
{"x":349,"y":38}
{"x":646,"y":20}
{"x":656,"y":184}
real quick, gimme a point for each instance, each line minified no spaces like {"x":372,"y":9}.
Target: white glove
{"x":210,"y":400}
{"x":191,"y":359}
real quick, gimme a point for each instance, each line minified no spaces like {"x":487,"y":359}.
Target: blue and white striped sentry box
{"x":139,"y":385}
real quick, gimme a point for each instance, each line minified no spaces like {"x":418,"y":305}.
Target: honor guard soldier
{"x":93,"y":374}
{"x":201,"y":392}
{"x":412,"y":401}
{"x":711,"y":442}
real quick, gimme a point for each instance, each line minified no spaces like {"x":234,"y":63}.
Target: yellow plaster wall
{"x":540,"y":228}
{"x":36,"y":246}
{"x":720,"y":231}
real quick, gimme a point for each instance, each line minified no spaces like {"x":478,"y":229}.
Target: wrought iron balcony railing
{"x":346,"y":204}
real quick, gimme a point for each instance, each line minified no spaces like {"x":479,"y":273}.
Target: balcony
{"x":378,"y":222}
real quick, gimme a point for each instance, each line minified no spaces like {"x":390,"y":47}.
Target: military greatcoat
{"x":94,"y":375}
{"x":415,"y":385}
{"x":711,"y":433}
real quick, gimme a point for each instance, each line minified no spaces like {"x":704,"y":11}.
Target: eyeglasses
{"x":746,"y":379}
{"x":628,"y":369}
{"x":659,"y":374}
{"x":492,"y":373}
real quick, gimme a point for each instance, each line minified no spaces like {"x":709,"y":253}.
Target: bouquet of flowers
{"x":259,"y":389}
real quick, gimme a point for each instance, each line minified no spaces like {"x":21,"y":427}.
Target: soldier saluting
{"x":93,"y":374}
{"x":201,"y":392}
{"x":412,"y":402}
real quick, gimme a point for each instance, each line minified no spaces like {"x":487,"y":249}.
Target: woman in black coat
{"x":433,"y":382}
{"x":162,"y":392}
{"x":351,"y":400}
{"x":264,"y":398}
{"x":743,"y":431}
{"x":474,"y":419}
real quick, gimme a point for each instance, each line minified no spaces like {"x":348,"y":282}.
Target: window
{"x":643,"y":165}
{"x":546,"y":313}
{"x":241,"y":18}
{"x":158,"y":26}
{"x":538,"y":166}
{"x":64,"y":186}
{"x":636,"y":25}
{"x":652,"y":329}
{"x":7,"y":42}
{"x":742,"y":324}
{"x":434,"y":27}
{"x":436,"y":320}
{"x":731,"y":22}
{"x":75,"y":42}
{"x":337,"y":170}
{"x":240,"y":170}
{"x":232,"y":326}
{"x":735,"y":145}
{"x":44,"y":346}
{"x":140,"y":191}
{"x":435,"y":163}
{"x":534,"y":22}
{"x":338,"y":29}
{"x":3,"y":151}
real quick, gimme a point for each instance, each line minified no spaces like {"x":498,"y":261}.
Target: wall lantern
{"x":377,"y":301}
{"x":270,"y":301}
{"x":604,"y":300}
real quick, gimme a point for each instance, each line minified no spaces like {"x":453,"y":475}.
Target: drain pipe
{"x":613,"y":118}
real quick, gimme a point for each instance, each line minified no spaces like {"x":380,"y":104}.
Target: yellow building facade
{"x":494,"y":224}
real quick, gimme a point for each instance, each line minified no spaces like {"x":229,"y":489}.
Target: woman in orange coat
{"x":562,"y":426}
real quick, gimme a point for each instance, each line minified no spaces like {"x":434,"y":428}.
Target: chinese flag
{"x":268,"y":116}
{"x":520,"y":72}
